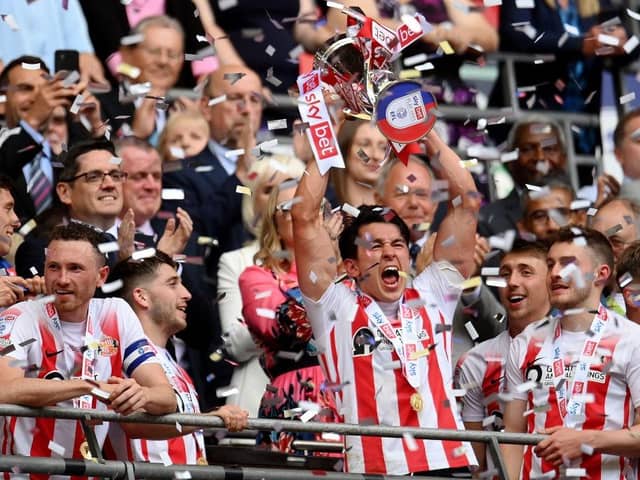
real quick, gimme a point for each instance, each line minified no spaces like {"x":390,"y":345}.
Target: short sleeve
{"x":17,"y":327}
{"x":336,"y":304}
{"x":469,"y":375}
{"x":633,"y":371}
{"x":517,"y":353}
{"x":135,"y":347}
{"x":441,"y":283}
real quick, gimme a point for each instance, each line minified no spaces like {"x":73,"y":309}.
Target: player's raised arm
{"x":313,"y":245}
{"x":456,"y":235}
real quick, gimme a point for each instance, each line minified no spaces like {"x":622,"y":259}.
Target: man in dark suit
{"x":540,"y":146}
{"x":25,"y":153}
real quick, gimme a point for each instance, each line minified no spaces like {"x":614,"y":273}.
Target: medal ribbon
{"x":88,"y":356}
{"x":571,"y":407}
{"x":186,"y":392}
{"x":405,"y":345}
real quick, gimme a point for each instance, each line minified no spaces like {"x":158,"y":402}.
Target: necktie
{"x":414,"y":250}
{"x":39,"y":187}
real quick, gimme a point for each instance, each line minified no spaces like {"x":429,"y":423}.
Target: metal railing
{"x":123,"y":469}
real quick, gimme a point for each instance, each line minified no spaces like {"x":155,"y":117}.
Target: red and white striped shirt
{"x":51,"y":351}
{"x":187,"y":449}
{"x":377,"y":391}
{"x":613,"y":381}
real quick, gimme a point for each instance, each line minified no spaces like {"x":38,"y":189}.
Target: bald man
{"x":235,"y":120}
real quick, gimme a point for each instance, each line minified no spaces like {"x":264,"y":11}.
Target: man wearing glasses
{"x":548,"y":209}
{"x":90,"y":191}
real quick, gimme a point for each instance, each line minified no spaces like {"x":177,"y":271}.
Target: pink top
{"x":258,"y":306}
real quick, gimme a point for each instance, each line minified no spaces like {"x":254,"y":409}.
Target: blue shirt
{"x":43,"y":28}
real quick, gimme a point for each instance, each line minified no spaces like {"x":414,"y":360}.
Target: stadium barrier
{"x":121,"y":469}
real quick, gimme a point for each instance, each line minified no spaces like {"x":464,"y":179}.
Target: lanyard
{"x":405,"y":344}
{"x":89,"y":352}
{"x":572,"y":408}
{"x":183,"y":388}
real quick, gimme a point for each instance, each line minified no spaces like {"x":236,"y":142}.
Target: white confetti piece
{"x":178,"y":427}
{"x":172,"y":194}
{"x":227,"y":391}
{"x":132,"y":39}
{"x":204,"y":168}
{"x":202,"y":240}
{"x":243,"y":190}
{"x":580,"y":204}
{"x":270,"y":50}
{"x":71,"y":79}
{"x":227,"y":4}
{"x":177,"y":152}
{"x":498,"y":282}
{"x":27,"y":227}
{"x":415,"y":59}
{"x":471,"y":330}
{"x":313,"y":277}
{"x":186,"y":475}
{"x":350,"y":210}
{"x":629,"y":97}
{"x":608,"y":39}
{"x":265,"y":294}
{"x":30,"y":66}
{"x":234,"y":153}
{"x":459,"y":392}
{"x":412,"y":445}
{"x":75,"y":107}
{"x":526,"y":386}
{"x":337,"y":5}
{"x":112,"y":286}
{"x":101,"y":394}
{"x":33,"y":270}
{"x":47,"y":299}
{"x":145,"y":253}
{"x":217,"y":100}
{"x":486,"y":421}
{"x":575,"y":472}
{"x":631,"y":44}
{"x":572,"y":30}
{"x":586,"y":449}
{"x":277,"y":124}
{"x":266,"y":313}
{"x":625,"y":279}
{"x":424,"y":67}
{"x":490,"y":271}
{"x":115,"y":160}
{"x":632,"y":14}
{"x":108,"y":247}
{"x":525,"y":3}
{"x":308,"y":415}
{"x":509,"y":156}
{"x":56,"y":448}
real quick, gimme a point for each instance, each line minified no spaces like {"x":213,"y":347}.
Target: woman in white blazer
{"x":248,"y":376}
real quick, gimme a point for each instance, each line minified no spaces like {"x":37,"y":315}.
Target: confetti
{"x":447,"y":48}
{"x":586,"y":449}
{"x":471,"y":330}
{"x":109,"y":247}
{"x":56,"y":448}
{"x":202,"y":240}
{"x":496,"y":282}
{"x":186,"y":475}
{"x":243,"y":190}
{"x":31,"y":66}
{"x":509,"y":156}
{"x":75,"y":106}
{"x":632,"y":14}
{"x":27,"y":227}
{"x":580,"y":204}
{"x":131,"y":72}
{"x":113,"y":286}
{"x":132,"y":39}
{"x":575,"y":472}
{"x":412,"y":445}
{"x":625,"y":279}
{"x":350,"y":210}
{"x":172,"y":194}
{"x":631,"y":44}
{"x":101,"y":394}
{"x":272,"y":79}
{"x":227,"y":391}
{"x":277,"y":124}
{"x":487,"y":421}
{"x":492,"y":3}
{"x":608,"y":39}
{"x":270,"y":50}
{"x":217,"y":100}
{"x":526,"y":386}
{"x":613,"y":230}
{"x":178,"y":152}
{"x":142,"y":254}
{"x":629,"y":97}
{"x":415,"y":59}
{"x":337,"y":5}
{"x":490,"y":271}
{"x":33,"y":270}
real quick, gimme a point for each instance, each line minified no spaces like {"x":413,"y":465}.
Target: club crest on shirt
{"x":364,"y":342}
{"x":107,"y":347}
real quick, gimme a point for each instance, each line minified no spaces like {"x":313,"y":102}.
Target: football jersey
{"x":612,"y":388}
{"x":186,"y":449}
{"x":42,"y":347}
{"x":374,"y":389}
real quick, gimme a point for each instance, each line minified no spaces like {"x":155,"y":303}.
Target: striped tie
{"x":39,"y":187}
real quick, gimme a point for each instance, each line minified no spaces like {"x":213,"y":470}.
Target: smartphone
{"x":67,"y":60}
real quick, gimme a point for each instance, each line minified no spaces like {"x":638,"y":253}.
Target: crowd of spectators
{"x":150,"y":171}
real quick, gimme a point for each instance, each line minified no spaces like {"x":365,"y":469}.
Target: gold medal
{"x":85,"y":451}
{"x":202,"y":461}
{"x":416,"y":402}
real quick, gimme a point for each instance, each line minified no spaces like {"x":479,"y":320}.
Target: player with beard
{"x":388,"y":344}
{"x":576,"y":374}
{"x":481,"y":372}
